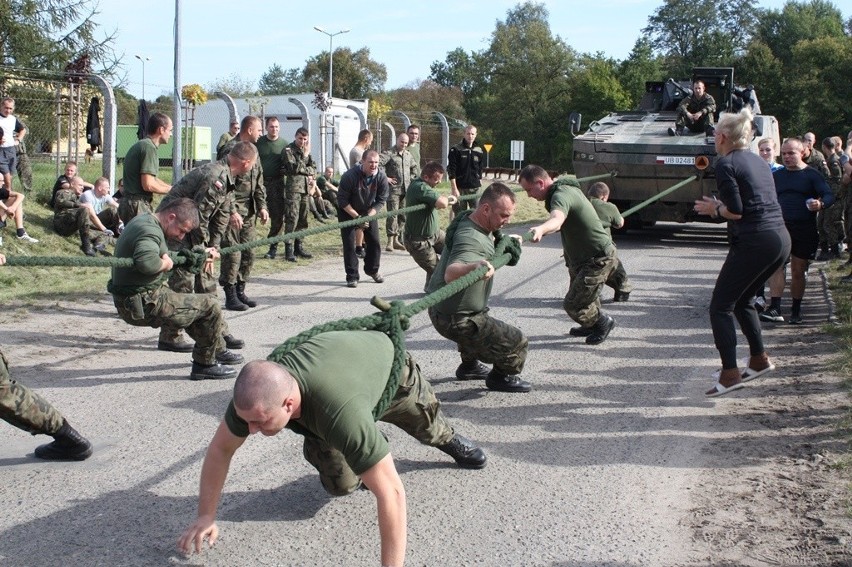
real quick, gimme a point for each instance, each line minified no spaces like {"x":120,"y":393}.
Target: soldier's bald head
{"x":263,"y":383}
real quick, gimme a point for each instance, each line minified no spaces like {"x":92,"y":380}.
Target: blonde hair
{"x":737,"y":127}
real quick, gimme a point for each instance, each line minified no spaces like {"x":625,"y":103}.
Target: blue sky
{"x":246,"y":37}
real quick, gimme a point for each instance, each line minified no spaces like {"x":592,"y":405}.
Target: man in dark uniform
{"x":464,"y":168}
{"x":141,"y":166}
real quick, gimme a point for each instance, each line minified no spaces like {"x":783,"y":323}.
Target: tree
{"x":277,"y":81}
{"x":49,"y":34}
{"x":459,"y":70}
{"x":695,"y":34}
{"x":639,"y":67}
{"x":234,"y":85}
{"x":356,"y":75}
{"x":428,"y":96}
{"x":782,"y":29}
{"x":596,"y":90}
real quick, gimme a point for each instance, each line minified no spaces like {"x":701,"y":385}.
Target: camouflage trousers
{"x":77,"y":220}
{"x":395,"y":224}
{"x":414,"y":409}
{"x":830,"y":225}
{"x":237,"y":266}
{"x":468,"y":204}
{"x":425,"y":251}
{"x":482,"y":337}
{"x":110,"y":219}
{"x":130,"y":207}
{"x":24,"y":169}
{"x":583,"y":300}
{"x":198,"y":313}
{"x":618,"y":280}
{"x":296,"y":212}
{"x":276,"y":203}
{"x":24,"y":408}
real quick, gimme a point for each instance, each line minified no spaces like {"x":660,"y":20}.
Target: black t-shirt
{"x":746,"y":188}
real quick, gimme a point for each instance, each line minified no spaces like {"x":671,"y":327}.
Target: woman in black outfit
{"x":759,"y":245}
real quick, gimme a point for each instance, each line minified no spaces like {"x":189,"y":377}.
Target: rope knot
{"x":191,"y":258}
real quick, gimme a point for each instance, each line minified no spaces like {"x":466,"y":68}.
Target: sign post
{"x":517,"y":152}
{"x":487,"y":154}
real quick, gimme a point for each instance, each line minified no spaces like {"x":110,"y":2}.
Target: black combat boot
{"x":621,"y":296}
{"x":86,"y":246}
{"x":273,"y":251}
{"x":216,"y":371}
{"x":472,"y":371}
{"x":68,"y":445}
{"x":300,"y":251}
{"x":241,"y":294}
{"x":288,"y":252}
{"x":502,"y":382}
{"x":229,"y":357}
{"x":464,"y":452}
{"x":600,"y":330}
{"x":233,"y":343}
{"x":232,"y":303}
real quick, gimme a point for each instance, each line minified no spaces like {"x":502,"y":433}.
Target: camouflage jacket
{"x":250,"y":192}
{"x":211,"y":187}
{"x":705,"y":105}
{"x":297,"y":167}
{"x":401,"y":166}
{"x":817,"y":161}
{"x":66,"y":201}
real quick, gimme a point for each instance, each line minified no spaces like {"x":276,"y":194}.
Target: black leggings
{"x":750,"y":262}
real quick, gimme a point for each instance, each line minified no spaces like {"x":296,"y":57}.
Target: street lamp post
{"x":143,"y":59}
{"x":330,"y":55}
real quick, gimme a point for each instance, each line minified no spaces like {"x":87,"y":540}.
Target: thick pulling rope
{"x":181,"y":259}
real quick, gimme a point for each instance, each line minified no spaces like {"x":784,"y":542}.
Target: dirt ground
{"x":796,"y":449}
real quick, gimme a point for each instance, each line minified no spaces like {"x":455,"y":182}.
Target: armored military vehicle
{"x":648,"y":160}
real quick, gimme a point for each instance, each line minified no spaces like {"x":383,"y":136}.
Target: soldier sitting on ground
{"x":70,"y":215}
{"x":103,"y":204}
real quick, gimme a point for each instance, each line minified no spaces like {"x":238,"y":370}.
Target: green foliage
{"x":782,"y":29}
{"x":356,"y":74}
{"x":699,"y":34}
{"x":428,"y":96}
{"x":640,"y":66}
{"x":49,"y":34}
{"x":234,"y":85}
{"x":277,"y":81}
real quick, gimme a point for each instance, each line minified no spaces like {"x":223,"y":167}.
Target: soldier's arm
{"x":383,"y":481}
{"x":153,"y":184}
{"x":551,"y":225}
{"x":66,"y":200}
{"x":214,"y":471}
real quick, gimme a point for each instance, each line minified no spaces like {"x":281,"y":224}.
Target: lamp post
{"x":330,"y":55}
{"x":143,"y":59}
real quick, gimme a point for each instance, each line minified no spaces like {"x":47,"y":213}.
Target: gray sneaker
{"x":27,"y":238}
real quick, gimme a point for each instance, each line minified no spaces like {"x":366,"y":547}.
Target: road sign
{"x":517,"y":150}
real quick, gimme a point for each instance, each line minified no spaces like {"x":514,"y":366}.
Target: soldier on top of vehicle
{"x":695,"y":112}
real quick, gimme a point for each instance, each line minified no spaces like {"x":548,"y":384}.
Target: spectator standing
{"x":830,"y":220}
{"x":298,"y":166}
{"x":365,"y":140}
{"x":141,"y":167}
{"x":413,"y":132}
{"x":802,"y":192}
{"x":401,"y":169}
{"x":233,"y":130}
{"x":464,"y":168}
{"x":766,"y":149}
{"x":269,"y":150}
{"x":363,"y":191}
{"x":12,"y":131}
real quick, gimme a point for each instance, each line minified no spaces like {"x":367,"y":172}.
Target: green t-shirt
{"x":583,"y":236}
{"x":144,"y":241}
{"x":141,"y":158}
{"x":269,"y":155}
{"x":608,"y":213}
{"x":470,"y":243}
{"x":423,"y":223}
{"x":341,"y":376}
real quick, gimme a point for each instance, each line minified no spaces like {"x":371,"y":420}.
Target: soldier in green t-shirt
{"x":141,"y":166}
{"x":611,"y":218}
{"x":589,"y":252}
{"x":464,"y":318}
{"x":423,"y":237}
{"x":341,"y":439}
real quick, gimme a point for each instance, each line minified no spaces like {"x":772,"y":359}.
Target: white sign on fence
{"x":517,"y":150}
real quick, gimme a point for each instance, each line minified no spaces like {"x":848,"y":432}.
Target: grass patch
{"x":24,"y":287}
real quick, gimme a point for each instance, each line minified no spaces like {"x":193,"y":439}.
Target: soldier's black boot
{"x":233,"y":342}
{"x":273,"y":251}
{"x":600,"y":330}
{"x":232,"y":303}
{"x":86,"y":246}
{"x":241,"y":295}
{"x":68,"y":445}
{"x":300,"y":251}
{"x":288,"y":252}
{"x":464,"y":452}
